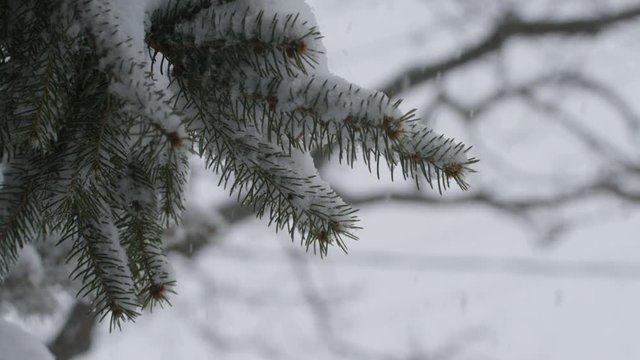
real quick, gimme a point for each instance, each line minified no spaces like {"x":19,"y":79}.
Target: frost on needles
{"x":103,"y":101}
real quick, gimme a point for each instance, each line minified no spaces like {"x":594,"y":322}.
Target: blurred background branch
{"x":507,"y":27}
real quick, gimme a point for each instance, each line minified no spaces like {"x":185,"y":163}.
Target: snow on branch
{"x":103,"y":101}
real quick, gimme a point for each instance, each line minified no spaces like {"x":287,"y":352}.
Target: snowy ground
{"x":459,"y":283}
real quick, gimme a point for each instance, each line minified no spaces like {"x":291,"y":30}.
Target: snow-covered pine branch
{"x":104,"y":100}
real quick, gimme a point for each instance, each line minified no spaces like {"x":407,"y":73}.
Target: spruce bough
{"x":102,"y":102}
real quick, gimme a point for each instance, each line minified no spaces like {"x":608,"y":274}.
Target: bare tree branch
{"x":509,"y":206}
{"x":510,"y":27}
{"x":401,"y":261}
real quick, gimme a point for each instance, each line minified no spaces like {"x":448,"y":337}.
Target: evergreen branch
{"x":104,"y":136}
{"x":141,"y":232}
{"x":265,"y":178}
{"x":20,"y":210}
{"x":37,"y":99}
{"x":328,"y":113}
{"x":280,"y":111}
{"x":101,"y":261}
{"x":170,"y":177}
{"x":35,"y":65}
{"x":176,"y":11}
{"x":217,"y":40}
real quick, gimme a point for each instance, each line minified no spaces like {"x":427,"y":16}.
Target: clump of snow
{"x":117,"y":275}
{"x":16,"y":344}
{"x":119,"y":27}
{"x":29,"y":266}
